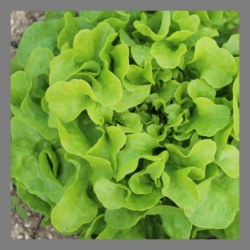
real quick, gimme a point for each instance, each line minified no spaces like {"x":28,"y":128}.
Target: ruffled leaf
{"x":219,"y":198}
{"x":38,"y":35}
{"x":208,"y":118}
{"x":75,"y":206}
{"x":215,"y":65}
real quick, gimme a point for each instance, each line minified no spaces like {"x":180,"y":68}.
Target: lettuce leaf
{"x":125,"y":124}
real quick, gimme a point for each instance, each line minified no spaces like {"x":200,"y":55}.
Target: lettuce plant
{"x":125,"y":124}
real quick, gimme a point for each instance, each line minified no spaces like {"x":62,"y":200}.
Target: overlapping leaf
{"x":215,"y":65}
{"x":125,"y":124}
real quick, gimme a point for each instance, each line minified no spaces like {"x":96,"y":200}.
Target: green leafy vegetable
{"x":125,"y":124}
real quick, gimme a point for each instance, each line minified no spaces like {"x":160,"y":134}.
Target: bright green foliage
{"x":215,"y":65}
{"x":207,"y":117}
{"x":233,"y":45}
{"x":220,"y":214}
{"x":125,"y":124}
{"x":231,"y":232}
{"x":227,"y":156}
{"x":14,"y":66}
